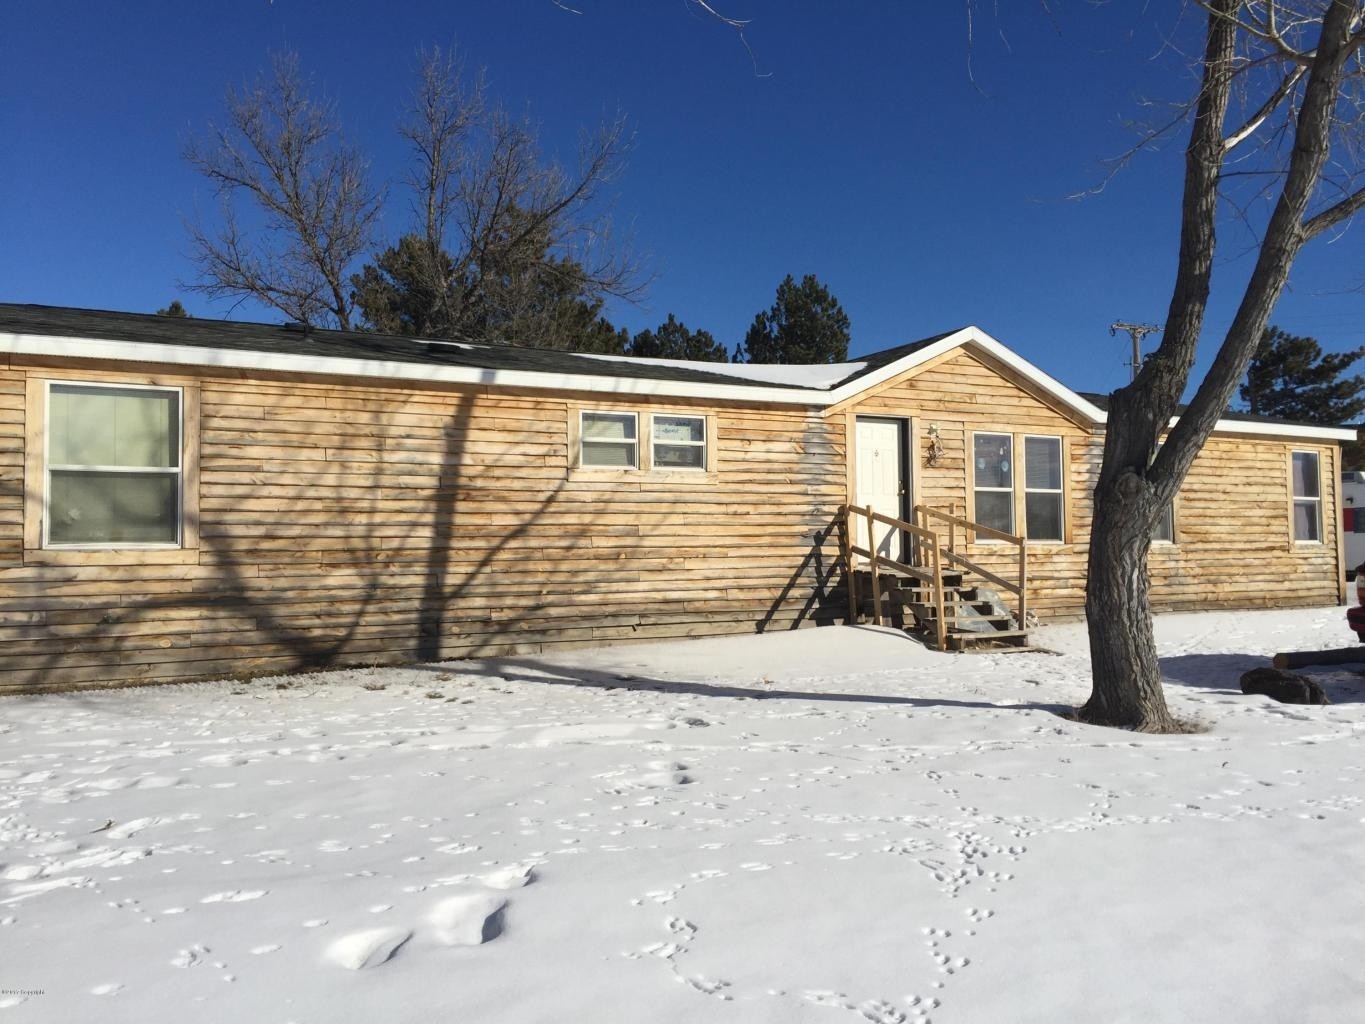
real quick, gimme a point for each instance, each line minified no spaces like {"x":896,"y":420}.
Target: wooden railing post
{"x":846,"y":536}
{"x":872,"y":551}
{"x":1023,"y":584}
{"x":940,"y":624}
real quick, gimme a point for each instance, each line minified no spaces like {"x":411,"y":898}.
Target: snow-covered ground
{"x":830,"y":825}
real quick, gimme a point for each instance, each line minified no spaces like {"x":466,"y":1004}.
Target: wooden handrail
{"x":977,"y":528}
{"x":1019,"y":589}
{"x":901,"y":524}
{"x":928,"y":541}
{"x":955,"y":559}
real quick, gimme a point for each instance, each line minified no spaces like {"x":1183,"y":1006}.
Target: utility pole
{"x":1137,"y":332}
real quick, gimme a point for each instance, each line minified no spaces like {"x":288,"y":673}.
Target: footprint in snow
{"x":157,"y":782}
{"x":469,"y":919}
{"x":235,"y":896}
{"x":826,"y":997}
{"x":131,"y":828}
{"x":709,"y":986}
{"x":880,"y":1012}
{"x":190,"y":957}
{"x":513,"y":876}
{"x":369,"y":948}
{"x":661,"y":774}
{"x":223,"y":760}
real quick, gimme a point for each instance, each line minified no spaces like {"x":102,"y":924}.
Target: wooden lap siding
{"x":1233,"y":532}
{"x":963,"y":395}
{"x":1234,"y":541}
{"x":358,"y":524}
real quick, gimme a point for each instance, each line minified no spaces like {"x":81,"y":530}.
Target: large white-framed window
{"x":1044,"y":505}
{"x":993,"y":480}
{"x":112,"y":465}
{"x":609,"y":440}
{"x":1306,"y":487}
{"x":677,"y":441}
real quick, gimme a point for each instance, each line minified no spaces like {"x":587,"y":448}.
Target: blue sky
{"x":923,"y":178}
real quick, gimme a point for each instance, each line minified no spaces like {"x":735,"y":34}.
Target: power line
{"x":1137,"y":332}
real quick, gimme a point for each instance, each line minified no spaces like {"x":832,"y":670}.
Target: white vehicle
{"x":1353,"y":518}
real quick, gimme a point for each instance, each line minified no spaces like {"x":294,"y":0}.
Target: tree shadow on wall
{"x":821,"y":578}
{"x":342,"y":558}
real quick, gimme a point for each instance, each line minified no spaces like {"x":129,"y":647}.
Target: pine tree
{"x":673,"y":340}
{"x":805,"y":325}
{"x":1290,"y":378}
{"x":536,"y":300}
{"x":174,"y":309}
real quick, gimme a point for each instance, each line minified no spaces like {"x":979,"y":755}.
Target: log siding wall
{"x":357,"y":524}
{"x":1233,"y":546}
{"x":346,"y":522}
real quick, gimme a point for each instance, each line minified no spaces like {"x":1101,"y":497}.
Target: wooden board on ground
{"x":1335,"y":656}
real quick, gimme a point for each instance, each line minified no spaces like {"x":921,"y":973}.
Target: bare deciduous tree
{"x":1293,"y":68}
{"x":309,"y":209}
{"x":507,"y":246}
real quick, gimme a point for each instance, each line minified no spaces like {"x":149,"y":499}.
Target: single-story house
{"x":187,"y":498}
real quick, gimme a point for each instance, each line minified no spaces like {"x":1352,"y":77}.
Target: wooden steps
{"x":974,"y":618}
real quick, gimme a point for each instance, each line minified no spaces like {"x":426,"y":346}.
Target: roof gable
{"x":922,"y":354}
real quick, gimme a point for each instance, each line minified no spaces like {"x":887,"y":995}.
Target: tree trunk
{"x":1138,"y":478}
{"x":1127,"y":677}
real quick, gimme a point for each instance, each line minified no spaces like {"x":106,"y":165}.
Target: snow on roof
{"x":803,"y":375}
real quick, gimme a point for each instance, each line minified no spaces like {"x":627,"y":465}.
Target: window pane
{"x":679,"y":429}
{"x":1044,"y":514}
{"x":617,"y":454}
{"x":1305,"y":475}
{"x":668,"y":456}
{"x":1165,"y":525}
{"x":606,"y":426}
{"x":112,"y":508}
{"x":995,"y":509}
{"x":1043,"y":463}
{"x":113,"y":427}
{"x":1306,"y":520}
{"x":993,"y":454}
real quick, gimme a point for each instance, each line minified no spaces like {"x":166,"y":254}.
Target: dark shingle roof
{"x":320,"y":343}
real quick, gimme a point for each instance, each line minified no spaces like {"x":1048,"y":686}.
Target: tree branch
{"x":1254,"y":122}
{"x":1333,"y":215}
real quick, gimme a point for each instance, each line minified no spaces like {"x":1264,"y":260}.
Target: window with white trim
{"x":112,"y":472}
{"x":678,"y":442}
{"x":1044,"y":512}
{"x":993,"y":476}
{"x":609,"y":440}
{"x":1307,"y":488}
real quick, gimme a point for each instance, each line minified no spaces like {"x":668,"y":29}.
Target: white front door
{"x":879,"y":480}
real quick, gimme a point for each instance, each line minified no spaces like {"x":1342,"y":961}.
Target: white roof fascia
{"x":287,"y":362}
{"x":1050,"y":385}
{"x":1289,"y":430}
